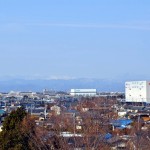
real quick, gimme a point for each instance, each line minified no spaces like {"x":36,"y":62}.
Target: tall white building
{"x":137,"y":91}
{"x":83,"y":92}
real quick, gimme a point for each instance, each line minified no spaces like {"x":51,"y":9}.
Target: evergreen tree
{"x":11,"y":137}
{"x":19,"y":132}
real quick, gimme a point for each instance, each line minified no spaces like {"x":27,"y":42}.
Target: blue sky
{"x":74,"y":38}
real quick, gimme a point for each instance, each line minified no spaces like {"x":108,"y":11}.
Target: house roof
{"x":122,"y":123}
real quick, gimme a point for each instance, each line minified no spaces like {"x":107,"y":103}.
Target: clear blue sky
{"x":74,"y":38}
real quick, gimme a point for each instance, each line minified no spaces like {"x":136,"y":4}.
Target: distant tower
{"x":44,"y":91}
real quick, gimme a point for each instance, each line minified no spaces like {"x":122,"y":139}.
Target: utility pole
{"x":138,"y":132}
{"x":74,"y":124}
{"x":45,"y":111}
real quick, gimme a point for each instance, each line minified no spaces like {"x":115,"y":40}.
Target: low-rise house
{"x":2,"y":115}
{"x":121,"y":123}
{"x":9,"y":109}
{"x":56,"y":109}
{"x":2,"y":112}
{"x":122,"y":113}
{"x":38,"y":112}
{"x":70,"y":113}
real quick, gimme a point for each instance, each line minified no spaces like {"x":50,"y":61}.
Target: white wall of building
{"x":137,"y":91}
{"x":83,"y":92}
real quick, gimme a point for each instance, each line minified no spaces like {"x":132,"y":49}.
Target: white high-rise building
{"x":137,"y":91}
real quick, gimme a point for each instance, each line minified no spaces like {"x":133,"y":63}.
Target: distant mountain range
{"x":102,"y":85}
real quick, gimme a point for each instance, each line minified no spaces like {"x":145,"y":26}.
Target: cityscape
{"x":74,"y":75}
{"x":81,"y":117}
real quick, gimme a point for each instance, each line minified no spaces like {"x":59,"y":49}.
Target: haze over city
{"x":74,"y":39}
